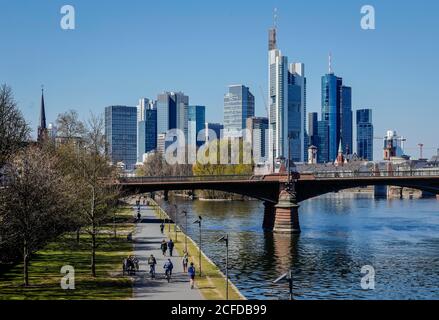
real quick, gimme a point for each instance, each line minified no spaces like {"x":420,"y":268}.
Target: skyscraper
{"x":239,"y":105}
{"x":278,"y":100}
{"x":313,"y":129}
{"x":258,"y":127}
{"x":196,"y":123}
{"x":217,"y":128}
{"x":172,"y":112}
{"x":365,"y":134}
{"x":146,"y":128}
{"x":121,"y":134}
{"x":346,"y":120}
{"x":297,"y":111}
{"x":337,"y":113}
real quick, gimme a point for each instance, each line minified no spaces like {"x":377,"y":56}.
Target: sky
{"x":121,"y":51}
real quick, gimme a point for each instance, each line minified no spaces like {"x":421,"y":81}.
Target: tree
{"x":91,"y":173}
{"x":34,"y":205}
{"x":14,"y":132}
{"x":69,"y":126}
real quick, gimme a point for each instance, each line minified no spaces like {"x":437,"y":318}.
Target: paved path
{"x":147,"y":239}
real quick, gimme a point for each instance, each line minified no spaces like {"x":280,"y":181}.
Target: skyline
{"x":91,"y":71}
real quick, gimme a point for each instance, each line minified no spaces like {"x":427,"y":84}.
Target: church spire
{"x":42,"y":128}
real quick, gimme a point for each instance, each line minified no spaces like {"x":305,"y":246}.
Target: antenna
{"x":330,"y":63}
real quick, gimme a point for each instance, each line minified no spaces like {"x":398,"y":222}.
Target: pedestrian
{"x":171,"y":247}
{"x":185,"y":261}
{"x":152,"y":262}
{"x":139,"y":216}
{"x":191,"y":272}
{"x":164,"y":247}
{"x":162,"y":227}
{"x":168,"y":267}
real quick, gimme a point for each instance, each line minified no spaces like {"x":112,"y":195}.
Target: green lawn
{"x":45,"y":266}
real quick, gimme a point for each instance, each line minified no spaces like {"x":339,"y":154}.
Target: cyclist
{"x":168,"y":269}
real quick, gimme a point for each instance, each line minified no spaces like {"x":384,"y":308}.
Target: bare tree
{"x":14,"y":132}
{"x":34,"y":204}
{"x":69,"y":126}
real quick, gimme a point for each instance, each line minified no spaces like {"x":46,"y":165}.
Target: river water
{"x":340,"y":234}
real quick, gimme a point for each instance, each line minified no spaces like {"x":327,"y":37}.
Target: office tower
{"x":172,"y":112}
{"x":146,"y":128}
{"x":121,"y":134}
{"x":258,"y":127}
{"x":196,"y":123}
{"x":161,"y":143}
{"x":217,"y":128}
{"x":42,"y":128}
{"x":322,"y":142}
{"x":278,"y":100}
{"x":297,"y":111}
{"x":313,"y":129}
{"x":239,"y":105}
{"x":346,"y":120}
{"x":365,"y":134}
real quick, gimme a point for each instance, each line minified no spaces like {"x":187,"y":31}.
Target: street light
{"x":288,"y":277}
{"x":199,"y":228}
{"x":176,"y":224}
{"x":185,"y":231}
{"x":226,"y":240}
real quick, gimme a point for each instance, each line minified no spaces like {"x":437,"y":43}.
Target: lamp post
{"x":185,"y":230}
{"x":199,"y":228}
{"x":288,"y":277}
{"x":175,"y":225}
{"x":226,"y":240}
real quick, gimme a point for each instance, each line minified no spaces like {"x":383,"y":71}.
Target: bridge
{"x":282,"y":196}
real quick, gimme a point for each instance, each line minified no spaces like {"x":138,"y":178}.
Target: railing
{"x":140,"y":180}
{"x":375,"y":174}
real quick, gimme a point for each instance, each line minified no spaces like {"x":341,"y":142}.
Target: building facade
{"x":365,"y":134}
{"x":146,"y":128}
{"x":346,"y":119}
{"x":258,"y":127}
{"x":239,"y":105}
{"x":313,"y":118}
{"x":172,"y":108}
{"x":196,"y":124}
{"x":216,"y":128}
{"x":121,"y":134}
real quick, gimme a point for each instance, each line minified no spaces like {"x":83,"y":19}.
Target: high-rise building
{"x":278,"y":100}
{"x":146,"y":128}
{"x":297,"y":111}
{"x":217,"y":128}
{"x":196,"y":123}
{"x":172,"y":112}
{"x":258,"y":127}
{"x":121,"y":134}
{"x":322,"y":141}
{"x":346,"y":120}
{"x":313,"y":129}
{"x":239,"y":105}
{"x":365,"y":134}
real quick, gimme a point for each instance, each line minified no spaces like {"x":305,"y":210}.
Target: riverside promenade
{"x":147,"y":239}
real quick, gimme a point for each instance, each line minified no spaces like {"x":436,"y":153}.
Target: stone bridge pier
{"x":283,"y":216}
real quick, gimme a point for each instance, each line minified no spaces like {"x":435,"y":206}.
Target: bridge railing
{"x":140,"y":180}
{"x":375,"y":174}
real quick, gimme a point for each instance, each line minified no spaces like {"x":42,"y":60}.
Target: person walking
{"x":191,"y":272}
{"x":164,"y":247}
{"x":168,"y":269}
{"x":170,"y":247}
{"x":152,"y":262}
{"x":185,"y":261}
{"x":162,"y":227}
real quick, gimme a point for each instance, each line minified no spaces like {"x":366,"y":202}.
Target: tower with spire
{"x":42,"y":127}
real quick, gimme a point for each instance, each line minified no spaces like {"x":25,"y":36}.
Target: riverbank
{"x":45,"y":266}
{"x":212,"y":283}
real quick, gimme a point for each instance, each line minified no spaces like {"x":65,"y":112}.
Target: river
{"x":341,"y":233}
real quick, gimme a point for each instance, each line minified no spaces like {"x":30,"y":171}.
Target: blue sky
{"x":124,"y":50}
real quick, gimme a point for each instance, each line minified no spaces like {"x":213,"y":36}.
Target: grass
{"x":212,"y":283}
{"x":45,"y":267}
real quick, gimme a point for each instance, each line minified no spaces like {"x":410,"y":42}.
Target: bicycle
{"x":152,"y":271}
{"x":168,"y":275}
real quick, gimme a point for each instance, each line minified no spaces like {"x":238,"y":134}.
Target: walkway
{"x":147,"y":239}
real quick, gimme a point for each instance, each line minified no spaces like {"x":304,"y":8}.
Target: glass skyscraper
{"x":121,"y":134}
{"x":172,"y":112}
{"x":258,"y":127}
{"x":146,"y":128}
{"x":346,"y":120}
{"x":313,"y":129}
{"x":239,"y":105}
{"x":196,"y":123}
{"x":365,"y":134}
